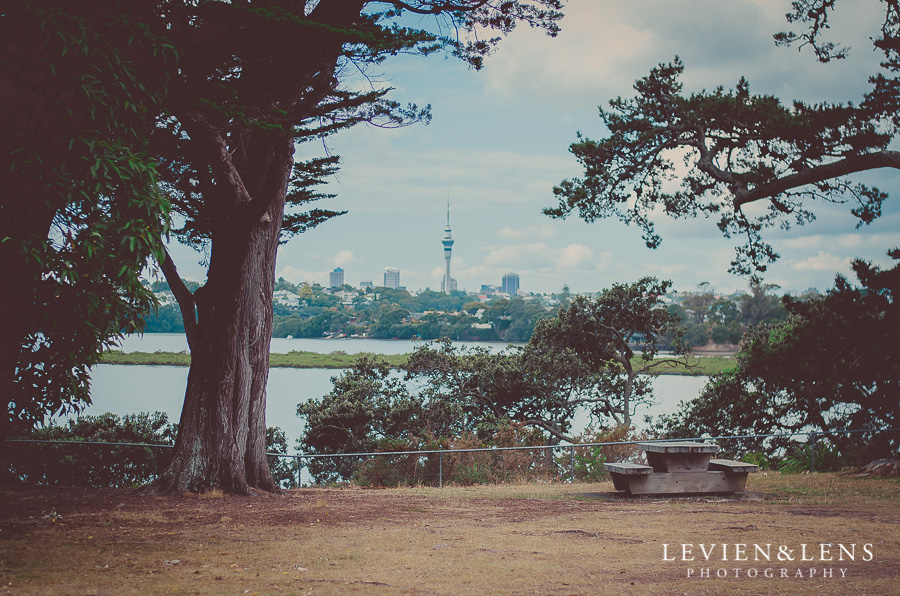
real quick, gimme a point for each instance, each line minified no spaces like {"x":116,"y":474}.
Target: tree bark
{"x":222,"y":432}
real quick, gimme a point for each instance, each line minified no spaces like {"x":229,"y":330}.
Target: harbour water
{"x":132,"y":389}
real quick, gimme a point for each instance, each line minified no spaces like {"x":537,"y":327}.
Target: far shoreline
{"x":702,"y":364}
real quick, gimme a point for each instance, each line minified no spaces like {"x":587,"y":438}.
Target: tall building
{"x":336,"y":278}
{"x":510,"y":284}
{"x":391,"y":277}
{"x":448,"y":284}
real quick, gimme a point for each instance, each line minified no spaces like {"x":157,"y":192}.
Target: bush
{"x":284,"y":470}
{"x":589,"y":460}
{"x":86,"y":464}
{"x":799,"y":458}
{"x":466,"y":468}
{"x":395,"y":469}
{"x":758,"y":459}
{"x":87,"y":460}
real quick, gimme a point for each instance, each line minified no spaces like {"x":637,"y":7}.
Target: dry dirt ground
{"x":514,"y":539}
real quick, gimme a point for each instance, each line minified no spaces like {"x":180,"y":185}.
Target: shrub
{"x":758,"y":459}
{"x":396,"y":468}
{"x":89,"y":464}
{"x":799,"y":458}
{"x":87,"y":460}
{"x":284,"y":470}
{"x":589,"y":460}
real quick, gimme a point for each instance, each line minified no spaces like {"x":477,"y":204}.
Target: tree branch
{"x":439,"y":7}
{"x":186,"y":302}
{"x":849,"y":165}
{"x":549,"y":428}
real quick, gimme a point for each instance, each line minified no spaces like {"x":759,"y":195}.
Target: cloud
{"x":540,"y":255}
{"x":517,"y":256}
{"x":574,"y":255}
{"x":855,"y":241}
{"x":343,"y":258}
{"x":824,"y":261}
{"x":498,"y":144}
{"x":543,"y":231}
{"x":297,"y":275}
{"x":604,"y":47}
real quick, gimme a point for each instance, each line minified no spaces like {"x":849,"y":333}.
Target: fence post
{"x":548,"y":459}
{"x":155,"y":473}
{"x":441,"y":469}
{"x":812,"y":449}
{"x":572,"y":461}
{"x":299,"y":470}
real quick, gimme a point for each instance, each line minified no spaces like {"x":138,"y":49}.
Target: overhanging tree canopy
{"x":256,"y":78}
{"x":80,"y":211}
{"x":833,"y":365}
{"x":740,"y":149}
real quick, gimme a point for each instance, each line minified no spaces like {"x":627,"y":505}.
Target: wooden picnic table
{"x":680,"y":468}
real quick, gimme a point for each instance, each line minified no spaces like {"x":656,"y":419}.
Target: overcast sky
{"x":499,"y":140}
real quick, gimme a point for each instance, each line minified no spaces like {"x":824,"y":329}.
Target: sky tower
{"x":448,"y":283}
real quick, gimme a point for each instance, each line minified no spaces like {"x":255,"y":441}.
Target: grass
{"x":511,"y":539}
{"x":292,"y":359}
{"x":706,"y":365}
{"x":699,"y":365}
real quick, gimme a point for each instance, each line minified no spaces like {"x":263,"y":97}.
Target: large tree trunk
{"x":222,"y":433}
{"x":243,"y":170}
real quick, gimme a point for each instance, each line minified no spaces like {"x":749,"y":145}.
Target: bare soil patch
{"x":512,"y":539}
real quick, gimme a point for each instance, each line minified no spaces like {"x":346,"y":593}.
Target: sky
{"x":498,"y":143}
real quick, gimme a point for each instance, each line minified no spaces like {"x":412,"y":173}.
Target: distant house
{"x":165,"y":298}
{"x":286,"y":298}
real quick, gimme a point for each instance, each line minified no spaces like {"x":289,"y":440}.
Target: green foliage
{"x":396,"y":314}
{"x":515,"y":319}
{"x":472,"y":473}
{"x":482,"y":465}
{"x":297,"y":326}
{"x":83,"y":464}
{"x":81,"y":210}
{"x":582,"y":359}
{"x":164,"y":319}
{"x":589,"y":464}
{"x":367,"y":403}
{"x":589,"y":460}
{"x":601,"y":334}
{"x":93,"y":465}
{"x":832,"y":365}
{"x":798,"y":458}
{"x":757,"y":459}
{"x":706,"y":317}
{"x":163,"y":285}
{"x":284,"y":470}
{"x":446,"y":393}
{"x":740,"y":148}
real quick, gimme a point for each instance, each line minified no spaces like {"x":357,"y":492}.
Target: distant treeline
{"x":385,"y":313}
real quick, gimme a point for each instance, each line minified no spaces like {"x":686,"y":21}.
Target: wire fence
{"x":101,"y":464}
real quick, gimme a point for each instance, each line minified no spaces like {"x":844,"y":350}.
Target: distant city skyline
{"x":498,"y":143}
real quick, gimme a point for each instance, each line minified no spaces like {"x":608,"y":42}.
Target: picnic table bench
{"x":680,"y":468}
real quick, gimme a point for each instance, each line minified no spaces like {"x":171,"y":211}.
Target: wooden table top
{"x":679,"y":447}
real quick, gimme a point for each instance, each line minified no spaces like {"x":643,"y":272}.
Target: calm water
{"x":176,"y":342}
{"x":131,"y":389}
